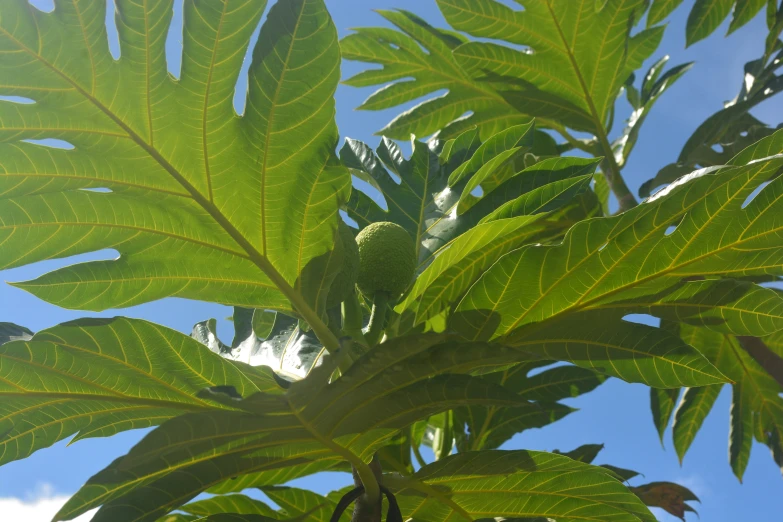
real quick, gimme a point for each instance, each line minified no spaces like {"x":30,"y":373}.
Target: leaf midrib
{"x":599,"y":128}
{"x":126,"y":227}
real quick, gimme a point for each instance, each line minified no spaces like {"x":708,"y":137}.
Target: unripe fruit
{"x":387,"y":259}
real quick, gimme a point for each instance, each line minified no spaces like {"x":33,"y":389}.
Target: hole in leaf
{"x":240,"y":90}
{"x":17,"y":99}
{"x":98,"y":189}
{"x":47,"y":6}
{"x":394,"y":46}
{"x":106,"y":254}
{"x":600,"y":248}
{"x":755,"y":193}
{"x":52,"y":143}
{"x":111,"y":30}
{"x":174,"y":41}
{"x":645,"y":319}
{"x":670,"y":230}
{"x":477,"y":192}
{"x":348,"y":220}
{"x":511,"y":5}
{"x":542,"y":369}
{"x":371,"y":192}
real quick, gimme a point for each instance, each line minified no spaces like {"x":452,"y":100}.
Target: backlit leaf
{"x":187,"y":179}
{"x":756,"y":407}
{"x":662,"y":405}
{"x":693,"y":408}
{"x":466,"y":486}
{"x":349,"y":418}
{"x":97,"y":377}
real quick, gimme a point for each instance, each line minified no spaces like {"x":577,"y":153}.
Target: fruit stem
{"x":377,"y":318}
{"x":353,"y":318}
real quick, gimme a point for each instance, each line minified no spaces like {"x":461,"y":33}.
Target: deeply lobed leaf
{"x":95,"y":378}
{"x":187,"y":180}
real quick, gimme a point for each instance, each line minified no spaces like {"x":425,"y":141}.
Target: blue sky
{"x":616,"y":414}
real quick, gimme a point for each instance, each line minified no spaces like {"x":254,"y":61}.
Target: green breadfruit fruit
{"x":345,"y":281}
{"x":387,"y":259}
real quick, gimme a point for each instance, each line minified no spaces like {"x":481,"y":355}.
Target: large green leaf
{"x":723,"y":305}
{"x":256,"y":196}
{"x":603,"y":262}
{"x":97,"y":377}
{"x":666,"y":495}
{"x":632,"y":352}
{"x":423,"y":53}
{"x":517,"y":484}
{"x":581,"y":56}
{"x":311,"y":422}
{"x":454,"y":249}
{"x":536,"y":214}
{"x":489,"y":427}
{"x":757,"y":406}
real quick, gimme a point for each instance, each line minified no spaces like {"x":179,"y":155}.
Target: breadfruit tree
{"x":475,"y":284}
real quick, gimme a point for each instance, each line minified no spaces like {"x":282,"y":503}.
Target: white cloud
{"x":697,"y":484}
{"x":39,"y":506}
